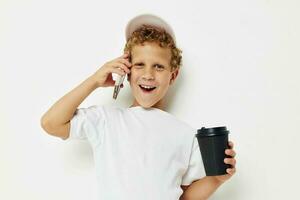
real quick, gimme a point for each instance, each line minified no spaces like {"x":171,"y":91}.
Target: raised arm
{"x":56,"y":121}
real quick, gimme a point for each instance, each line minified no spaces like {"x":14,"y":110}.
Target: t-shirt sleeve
{"x":88,"y":123}
{"x":195,"y":169}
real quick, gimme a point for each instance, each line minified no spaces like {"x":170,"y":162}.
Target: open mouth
{"x":147,"y":89}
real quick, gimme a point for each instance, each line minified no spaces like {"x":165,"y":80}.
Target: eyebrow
{"x":137,"y":63}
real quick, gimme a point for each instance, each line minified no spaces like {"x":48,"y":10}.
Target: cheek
{"x":165,"y":80}
{"x":133,"y":76}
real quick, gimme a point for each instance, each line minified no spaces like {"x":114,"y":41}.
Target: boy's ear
{"x":174,"y":76}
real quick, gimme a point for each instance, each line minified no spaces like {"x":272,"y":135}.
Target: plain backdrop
{"x":240,"y":69}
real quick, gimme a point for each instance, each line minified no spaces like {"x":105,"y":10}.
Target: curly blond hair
{"x":147,"y":33}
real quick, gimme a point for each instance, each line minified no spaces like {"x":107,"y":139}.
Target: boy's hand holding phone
{"x":120,"y":65}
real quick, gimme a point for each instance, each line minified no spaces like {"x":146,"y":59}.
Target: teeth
{"x":147,"y":87}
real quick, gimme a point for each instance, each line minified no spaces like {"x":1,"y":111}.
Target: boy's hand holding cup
{"x":217,"y":153}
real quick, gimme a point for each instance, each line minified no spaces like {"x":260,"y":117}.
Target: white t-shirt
{"x":139,"y":153}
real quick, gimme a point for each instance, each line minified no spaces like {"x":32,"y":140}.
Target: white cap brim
{"x":148,"y":19}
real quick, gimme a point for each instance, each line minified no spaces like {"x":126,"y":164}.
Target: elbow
{"x":61,"y":131}
{"x":45,"y":124}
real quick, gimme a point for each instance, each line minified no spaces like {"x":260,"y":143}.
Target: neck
{"x":159,"y":105}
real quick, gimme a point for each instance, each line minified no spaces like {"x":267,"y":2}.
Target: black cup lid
{"x":214,"y":131}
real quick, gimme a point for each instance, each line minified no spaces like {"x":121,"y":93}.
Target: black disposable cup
{"x":212,"y":143}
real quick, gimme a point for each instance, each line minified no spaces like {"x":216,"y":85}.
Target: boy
{"x":140,"y":152}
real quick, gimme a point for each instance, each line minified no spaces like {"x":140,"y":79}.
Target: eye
{"x":138,"y":65}
{"x":160,"y":67}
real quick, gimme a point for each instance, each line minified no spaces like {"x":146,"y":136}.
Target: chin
{"x":146,"y":105}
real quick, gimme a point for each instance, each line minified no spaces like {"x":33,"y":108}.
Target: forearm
{"x":201,"y":189}
{"x":63,"y":110}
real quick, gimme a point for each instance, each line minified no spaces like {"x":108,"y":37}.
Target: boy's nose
{"x":148,"y":74}
{"x":148,"y":77}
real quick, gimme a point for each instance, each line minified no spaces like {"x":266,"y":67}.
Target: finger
{"x":231,"y":171}
{"x":126,"y":54}
{"x":125,"y":62}
{"x":230,"y":161}
{"x":119,"y":71}
{"x":230,"y":144}
{"x":230,"y":152}
{"x":122,"y":67}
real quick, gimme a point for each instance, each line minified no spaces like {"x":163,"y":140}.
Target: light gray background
{"x":241,"y":69}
